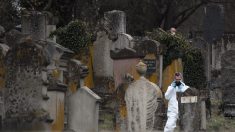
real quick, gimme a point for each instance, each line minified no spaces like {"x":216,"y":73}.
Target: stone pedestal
{"x":189,"y":110}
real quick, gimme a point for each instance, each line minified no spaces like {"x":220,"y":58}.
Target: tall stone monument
{"x":114,"y":24}
{"x":141,"y":102}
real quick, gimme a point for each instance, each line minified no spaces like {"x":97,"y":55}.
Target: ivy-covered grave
{"x":177,"y":46}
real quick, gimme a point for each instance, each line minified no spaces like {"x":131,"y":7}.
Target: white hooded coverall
{"x":172,"y":111}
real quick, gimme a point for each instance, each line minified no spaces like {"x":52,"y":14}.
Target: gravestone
{"x":152,"y":51}
{"x":23,"y":93}
{"x":213,"y":22}
{"x":228,"y":82}
{"x":141,"y":101}
{"x":127,"y":56}
{"x":189,"y":105}
{"x":124,"y":73}
{"x":111,"y":36}
{"x":35,"y":89}
{"x":84,"y":111}
{"x":34,"y":23}
{"x":114,"y":23}
{"x":83,"y":105}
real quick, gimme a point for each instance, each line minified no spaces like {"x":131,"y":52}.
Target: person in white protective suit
{"x":172,"y":112}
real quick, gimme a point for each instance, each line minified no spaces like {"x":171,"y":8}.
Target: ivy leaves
{"x":73,"y":36}
{"x":176,"y":46}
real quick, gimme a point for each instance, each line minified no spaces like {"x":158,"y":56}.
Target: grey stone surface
{"x":189,"y":112}
{"x":123,"y":41}
{"x":141,"y":102}
{"x":114,"y":22}
{"x":228,"y":81}
{"x":103,"y":64}
{"x":34,"y":24}
{"x":113,"y":36}
{"x":83,"y":111}
{"x":22,"y":95}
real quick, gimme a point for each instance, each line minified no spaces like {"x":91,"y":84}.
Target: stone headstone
{"x":228,"y":82}
{"x":213,"y":22}
{"x":34,"y":92}
{"x":141,"y":102}
{"x":34,"y":24}
{"x":103,"y":64}
{"x":189,"y":105}
{"x":113,"y":36}
{"x":83,"y":117}
{"x":22,"y":94}
{"x":84,"y":111}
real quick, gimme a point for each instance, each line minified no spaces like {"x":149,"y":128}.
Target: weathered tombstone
{"x":189,"y":105}
{"x":54,"y":84}
{"x":23,"y":92}
{"x":36,"y":77}
{"x":114,"y":27}
{"x":152,"y":52}
{"x":124,"y":58}
{"x":213,"y":22}
{"x":141,"y":102}
{"x":34,"y":23}
{"x":111,"y":36}
{"x":154,"y":60}
{"x":127,"y":56}
{"x":124,"y":65}
{"x":114,"y":23}
{"x":83,"y":105}
{"x":228,"y":82}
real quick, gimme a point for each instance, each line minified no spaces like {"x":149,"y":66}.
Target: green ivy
{"x":73,"y":36}
{"x":176,"y":46}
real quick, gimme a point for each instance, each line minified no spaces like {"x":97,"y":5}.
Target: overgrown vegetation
{"x":73,"y":36}
{"x":217,"y":122}
{"x":176,"y":46}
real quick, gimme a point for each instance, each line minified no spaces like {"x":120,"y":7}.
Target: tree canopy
{"x":142,"y":15}
{"x":8,"y":14}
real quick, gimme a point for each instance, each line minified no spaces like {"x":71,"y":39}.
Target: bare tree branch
{"x":48,"y":6}
{"x":189,"y":9}
{"x":184,"y":15}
